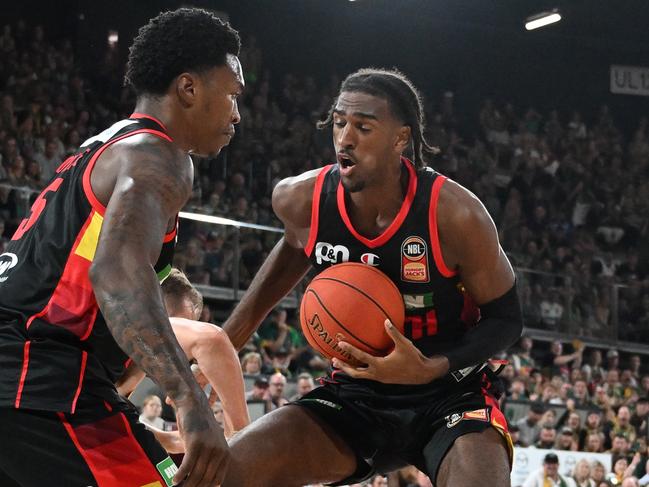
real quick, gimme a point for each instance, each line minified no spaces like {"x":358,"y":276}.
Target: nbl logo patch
{"x":414,"y":260}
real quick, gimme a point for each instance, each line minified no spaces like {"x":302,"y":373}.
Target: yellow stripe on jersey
{"x":88,"y":244}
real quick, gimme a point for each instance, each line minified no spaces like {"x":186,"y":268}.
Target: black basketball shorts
{"x":387,"y":435}
{"x":101,"y":445}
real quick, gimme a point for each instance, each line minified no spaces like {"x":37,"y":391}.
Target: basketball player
{"x":429,"y":402}
{"x":204,"y":343}
{"x":79,"y":293}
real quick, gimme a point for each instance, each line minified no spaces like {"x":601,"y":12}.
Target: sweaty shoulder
{"x":292,"y":203}
{"x":461,"y":217}
{"x":143,"y":157}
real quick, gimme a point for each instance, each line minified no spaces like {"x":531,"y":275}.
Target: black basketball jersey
{"x":438,"y":310}
{"x":54,"y":342}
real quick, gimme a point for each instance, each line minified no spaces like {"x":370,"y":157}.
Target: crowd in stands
{"x":570,"y":197}
{"x":587,"y":400}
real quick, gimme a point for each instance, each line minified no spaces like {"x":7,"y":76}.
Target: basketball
{"x":350,"y":302}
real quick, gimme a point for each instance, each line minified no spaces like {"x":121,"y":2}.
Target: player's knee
{"x":474,"y":457}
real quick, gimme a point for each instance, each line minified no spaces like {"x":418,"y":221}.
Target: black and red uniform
{"x":60,"y":415}
{"x":388,"y":425}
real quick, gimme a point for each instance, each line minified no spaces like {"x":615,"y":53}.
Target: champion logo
{"x":370,"y":259}
{"x":7,"y":261}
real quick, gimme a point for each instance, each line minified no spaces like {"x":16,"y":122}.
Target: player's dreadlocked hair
{"x":187,"y":39}
{"x":402,"y":97}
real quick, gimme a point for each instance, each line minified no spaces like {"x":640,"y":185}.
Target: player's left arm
{"x":470,"y":246}
{"x":487,"y":276}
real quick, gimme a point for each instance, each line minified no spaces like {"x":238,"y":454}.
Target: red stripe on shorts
{"x":112,"y":453}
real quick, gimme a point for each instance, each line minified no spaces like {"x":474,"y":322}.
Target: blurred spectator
{"x":592,"y":369}
{"x":581,"y":474}
{"x":276,"y":390}
{"x":304,"y":384}
{"x":48,"y":160}
{"x":529,"y":426}
{"x":579,"y":393}
{"x":565,"y":440}
{"x":280,"y":361}
{"x":251,"y":363}
{"x":619,"y":446}
{"x":522,"y":360}
{"x":259,"y":391}
{"x":557,"y":363}
{"x":613,"y":360}
{"x":548,"y":475}
{"x":217,"y":409}
{"x":598,"y":472}
{"x":547,"y":437}
{"x":594,"y":443}
{"x":640,"y":417}
{"x":620,"y":466}
{"x":151,"y":412}
{"x":621,"y":425}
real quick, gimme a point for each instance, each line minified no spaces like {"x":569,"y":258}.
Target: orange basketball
{"x":350,"y":302}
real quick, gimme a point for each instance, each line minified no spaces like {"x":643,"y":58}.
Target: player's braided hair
{"x":402,"y":97}
{"x":186,"y":39}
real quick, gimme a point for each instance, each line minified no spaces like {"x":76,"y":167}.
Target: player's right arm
{"x":143,"y":183}
{"x":286,"y":264}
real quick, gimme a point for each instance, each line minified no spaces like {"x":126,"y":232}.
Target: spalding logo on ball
{"x":350,"y":302}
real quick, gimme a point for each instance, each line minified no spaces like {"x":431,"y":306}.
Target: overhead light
{"x":113,"y":38}
{"x":541,"y":20}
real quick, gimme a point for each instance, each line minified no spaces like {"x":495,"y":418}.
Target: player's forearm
{"x":500,"y":327}
{"x":130,"y":300}
{"x":281,"y":271}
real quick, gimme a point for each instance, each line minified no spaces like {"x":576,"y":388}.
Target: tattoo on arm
{"x":153,"y":183}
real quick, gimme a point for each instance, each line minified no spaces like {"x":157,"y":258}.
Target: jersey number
{"x":418,"y":326}
{"x":37,"y":209}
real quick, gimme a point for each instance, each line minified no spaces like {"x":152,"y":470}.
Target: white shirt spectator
{"x":158,"y":423}
{"x":538,"y":479}
{"x":151,"y":410}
